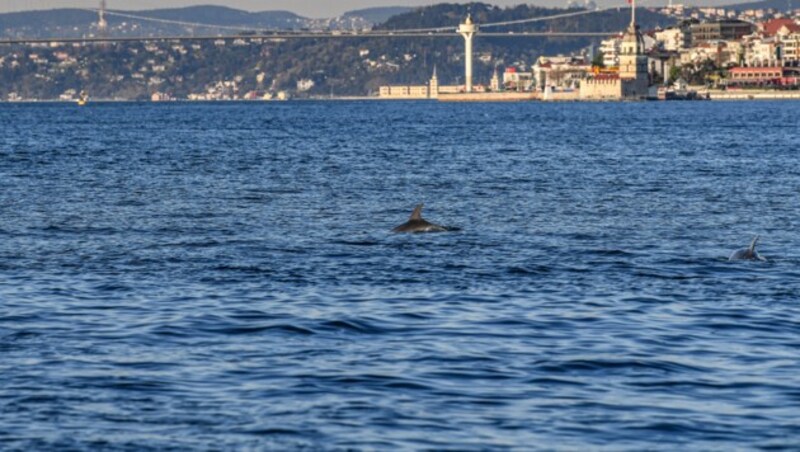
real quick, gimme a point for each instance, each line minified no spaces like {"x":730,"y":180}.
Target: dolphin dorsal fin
{"x":417,"y":213}
{"x":753,"y":244}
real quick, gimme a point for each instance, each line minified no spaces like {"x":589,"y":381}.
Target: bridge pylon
{"x":102,"y":23}
{"x":468,"y":30}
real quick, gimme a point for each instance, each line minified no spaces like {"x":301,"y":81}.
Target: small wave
{"x":253,"y":269}
{"x":536,"y":270}
{"x":384,"y":381}
{"x":273,"y":431}
{"x":580,"y":365}
{"x":356,"y":242}
{"x":284,"y":328}
{"x":353,"y":326}
{"x":611,"y":252}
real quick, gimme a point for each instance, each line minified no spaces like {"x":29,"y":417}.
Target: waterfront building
{"x":722,"y":53}
{"x":429,"y":91}
{"x":564,"y":72}
{"x":762,"y":52}
{"x":405,"y":92}
{"x":632,"y":81}
{"x":722,"y":30}
{"x":791,"y":49}
{"x":763,"y":77}
{"x":674,"y":39}
{"x":516,"y":80}
{"x":160,"y":97}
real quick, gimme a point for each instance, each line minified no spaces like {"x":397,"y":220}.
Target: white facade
{"x":305,"y":84}
{"x":518,"y":81}
{"x":610,"y":50}
{"x":791,"y":47}
{"x":673,"y":39}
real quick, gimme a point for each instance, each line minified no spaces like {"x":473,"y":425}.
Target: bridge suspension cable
{"x":512,"y":22}
{"x":397,"y":32}
{"x":172,"y":22}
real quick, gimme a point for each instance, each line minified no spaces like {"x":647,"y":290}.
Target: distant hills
{"x":378,"y":15}
{"x":779,"y":5}
{"x":305,"y":67}
{"x":221,"y":15}
{"x":73,"y":22}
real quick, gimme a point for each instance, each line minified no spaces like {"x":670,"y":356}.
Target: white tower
{"x":468,"y":31}
{"x":633,"y":61}
{"x":433,"y":87}
{"x":102,"y":24}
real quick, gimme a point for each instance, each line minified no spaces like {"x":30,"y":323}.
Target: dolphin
{"x":417,"y":224}
{"x":747,"y":254}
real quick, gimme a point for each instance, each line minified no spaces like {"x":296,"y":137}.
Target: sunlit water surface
{"x":222,"y":276}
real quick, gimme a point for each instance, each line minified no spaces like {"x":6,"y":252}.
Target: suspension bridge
{"x":468,"y":30}
{"x":247,"y":33}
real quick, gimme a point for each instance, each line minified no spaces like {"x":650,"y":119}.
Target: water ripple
{"x":224,"y":277}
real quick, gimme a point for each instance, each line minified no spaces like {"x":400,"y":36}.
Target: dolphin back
{"x":748,"y":253}
{"x":417,"y":224}
{"x":740,"y":254}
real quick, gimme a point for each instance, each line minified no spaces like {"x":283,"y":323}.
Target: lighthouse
{"x":468,"y":30}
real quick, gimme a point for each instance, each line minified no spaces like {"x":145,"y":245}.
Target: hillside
{"x":220,"y":15}
{"x":73,"y":22}
{"x":378,"y":15}
{"x":357,"y":66}
{"x":778,"y":5}
{"x":450,"y":15}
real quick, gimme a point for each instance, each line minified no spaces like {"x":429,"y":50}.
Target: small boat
{"x":83,"y":98}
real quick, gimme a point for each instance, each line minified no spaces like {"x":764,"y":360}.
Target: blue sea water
{"x":222,"y":276}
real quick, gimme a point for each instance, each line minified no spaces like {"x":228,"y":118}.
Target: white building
{"x":674,"y":39}
{"x":791,"y":48}
{"x":516,"y":80}
{"x":305,"y":84}
{"x":631,"y":81}
{"x":610,"y":50}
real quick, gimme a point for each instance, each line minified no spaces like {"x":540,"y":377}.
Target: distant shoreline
{"x":754,"y":95}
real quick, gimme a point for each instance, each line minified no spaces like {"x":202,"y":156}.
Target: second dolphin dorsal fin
{"x":417,"y":213}
{"x":753,"y":244}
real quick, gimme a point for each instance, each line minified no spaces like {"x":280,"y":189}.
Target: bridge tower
{"x":468,"y":30}
{"x":102,"y":24}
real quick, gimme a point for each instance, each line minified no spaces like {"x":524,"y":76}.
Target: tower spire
{"x":102,"y":24}
{"x":633,"y":14}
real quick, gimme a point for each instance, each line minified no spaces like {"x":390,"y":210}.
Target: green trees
{"x":597,"y":61}
{"x":352,"y":66}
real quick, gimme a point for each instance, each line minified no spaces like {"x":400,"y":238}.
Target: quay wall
{"x":488,"y":97}
{"x":754,"y":95}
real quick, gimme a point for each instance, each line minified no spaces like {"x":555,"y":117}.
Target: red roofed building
{"x":773,"y":77}
{"x":781,"y":27}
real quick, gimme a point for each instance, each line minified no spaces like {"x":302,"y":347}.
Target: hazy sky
{"x":308,"y":8}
